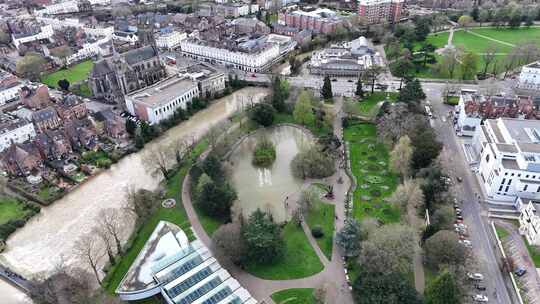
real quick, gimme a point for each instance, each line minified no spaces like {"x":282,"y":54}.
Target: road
{"x":475,"y":215}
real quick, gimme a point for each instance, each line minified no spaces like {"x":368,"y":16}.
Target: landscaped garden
{"x":294,"y":296}
{"x":299,"y":260}
{"x":322,"y":215}
{"x":74,"y":74}
{"x":11,"y":209}
{"x":369,"y":105}
{"x":375,"y":180}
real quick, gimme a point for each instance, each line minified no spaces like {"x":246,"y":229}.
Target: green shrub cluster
{"x":264,"y":154}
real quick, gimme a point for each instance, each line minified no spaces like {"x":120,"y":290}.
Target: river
{"x":47,"y":241}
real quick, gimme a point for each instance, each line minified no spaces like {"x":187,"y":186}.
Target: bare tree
{"x":215,"y":132}
{"x":88,"y":249}
{"x":490,"y":87}
{"x":401,"y":155}
{"x":229,"y":244}
{"x":157,"y":160}
{"x":408,"y":196}
{"x":529,"y":52}
{"x":183,"y":148}
{"x":511,"y":61}
{"x":141,"y":202}
{"x":106,"y":239}
{"x":489,"y":55}
{"x":110,"y":220}
{"x":449,"y":61}
{"x":319,"y":294}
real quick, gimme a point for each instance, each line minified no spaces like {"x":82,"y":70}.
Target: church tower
{"x":145,"y":32}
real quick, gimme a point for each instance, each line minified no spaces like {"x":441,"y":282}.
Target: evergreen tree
{"x":412,"y":93}
{"x":359,"y":89}
{"x":326,"y":90}
{"x":443,"y":290}
{"x":280,"y":93}
{"x":263,"y":238}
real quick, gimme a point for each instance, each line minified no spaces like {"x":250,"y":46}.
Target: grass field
{"x":299,"y":261}
{"x":369,"y":164}
{"x":501,"y":233}
{"x":534,"y":252}
{"x":322,"y":214}
{"x":478,"y":45}
{"x":10,"y":209}
{"x":176,"y":215}
{"x":74,"y":74}
{"x":368,"y":105}
{"x":294,"y":296}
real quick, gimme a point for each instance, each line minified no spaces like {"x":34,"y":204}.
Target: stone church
{"x":113,"y":77}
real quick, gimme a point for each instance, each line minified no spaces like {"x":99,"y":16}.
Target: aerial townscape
{"x":269,"y":151}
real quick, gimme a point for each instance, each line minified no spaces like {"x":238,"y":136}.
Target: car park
{"x":475,"y":276}
{"x":480,"y":298}
{"x":480,"y":286}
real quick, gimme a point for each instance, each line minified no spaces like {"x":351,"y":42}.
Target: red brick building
{"x":376,"y":11}
{"x":321,"y":20}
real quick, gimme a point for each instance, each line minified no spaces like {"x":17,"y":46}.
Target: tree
{"x":426,"y":148}
{"x":141,"y":203}
{"x":427,"y":50}
{"x":371,"y":74}
{"x":348,"y":238}
{"x":313,"y":163}
{"x":402,"y":68}
{"x":390,"y":247}
{"x":319,"y":295}
{"x":359,"y":90}
{"x":111,"y":220}
{"x":63,"y":84}
{"x":515,"y":18}
{"x":5,"y":38}
{"x":465,"y":21}
{"x":263,"y":114}
{"x":131,"y":127}
{"x":398,"y":120}
{"x":408,"y":196}
{"x":489,"y":55}
{"x":443,"y":218}
{"x":483,"y":16}
{"x":449,"y":62}
{"x":443,"y":290}
{"x":326,"y":90}
{"x":303,"y":109}
{"x":158,"y":161}
{"x":216,"y":199}
{"x":30,"y":66}
{"x":469,"y":65}
{"x":212,"y":166}
{"x":263,"y":238}
{"x":401,"y":155}
{"x":443,"y":248}
{"x":280,"y":93}
{"x":106,"y":240}
{"x":62,"y":52}
{"x":422,"y":28}
{"x":510,"y":61}
{"x":412,"y":94}
{"x":229,"y":243}
{"x":88,"y":249}
{"x":66,"y":286}
{"x":384,"y":286}
{"x":434,"y":185}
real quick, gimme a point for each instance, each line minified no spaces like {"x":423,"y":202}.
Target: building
{"x":21,"y":159}
{"x":181,"y":271}
{"x":345,"y":59}
{"x":46,"y":119}
{"x":509,"y":158}
{"x":376,"y":11}
{"x":235,"y":9}
{"x":53,"y":144}
{"x":15,"y":130}
{"x":169,"y":39}
{"x":473,"y":108}
{"x":111,"y":124}
{"x":35,"y":97}
{"x":529,"y":78}
{"x":113,"y":77}
{"x":160,"y":101}
{"x":529,"y":220}
{"x":246,"y":53}
{"x":10,"y":86}
{"x":209,"y":80}
{"x":321,"y":20}
{"x":44,"y":32}
{"x":71,"y":107}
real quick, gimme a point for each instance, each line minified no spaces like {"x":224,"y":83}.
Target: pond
{"x":268,"y":188}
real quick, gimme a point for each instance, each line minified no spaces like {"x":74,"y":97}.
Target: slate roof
{"x":45,"y":114}
{"x":100,"y":68}
{"x":140,"y":54}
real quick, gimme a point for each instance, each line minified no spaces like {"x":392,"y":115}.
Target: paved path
{"x":450,"y":36}
{"x":333,"y":276}
{"x":492,"y":39}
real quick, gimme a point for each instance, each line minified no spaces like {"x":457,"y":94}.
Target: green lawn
{"x":534,"y":252}
{"x":376,"y":182}
{"x":513,"y":36}
{"x":501,"y":232}
{"x":10,"y":209}
{"x":74,"y":74}
{"x":452,"y":100}
{"x":322,"y":214}
{"x":208,"y":223}
{"x":176,"y":215}
{"x":288,"y":118}
{"x":368,"y":105}
{"x":294,"y":296}
{"x":300,"y":259}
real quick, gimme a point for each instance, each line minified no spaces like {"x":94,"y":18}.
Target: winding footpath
{"x":333,"y":275}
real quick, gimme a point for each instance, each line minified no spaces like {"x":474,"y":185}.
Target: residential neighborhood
{"x":263,"y":151}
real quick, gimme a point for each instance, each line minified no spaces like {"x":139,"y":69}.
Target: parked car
{"x":480,"y":298}
{"x":459,"y":217}
{"x":475,"y":276}
{"x":334,"y":80}
{"x":460,"y":226}
{"x":520,"y":271}
{"x":480,"y":286}
{"x":350,"y":80}
{"x":466,"y":243}
{"x":459,"y":179}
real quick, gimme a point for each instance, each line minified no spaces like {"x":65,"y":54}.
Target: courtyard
{"x":74,"y":74}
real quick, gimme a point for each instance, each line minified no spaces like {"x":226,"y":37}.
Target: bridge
{"x":16,"y":280}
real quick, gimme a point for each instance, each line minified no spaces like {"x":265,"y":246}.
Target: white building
{"x":468,"y":120}
{"x":529,"y":220}
{"x":509,"y":155}
{"x":89,"y":50}
{"x":15,"y":131}
{"x":182,"y":271}
{"x":45,"y":32}
{"x":59,"y":24}
{"x":170,"y":40}
{"x":529,"y":79}
{"x":10,"y":92}
{"x":59,"y":8}
{"x":129,"y":37}
{"x":158,"y":102}
{"x":250,"y":59}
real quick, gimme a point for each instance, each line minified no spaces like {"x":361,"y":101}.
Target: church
{"x":113,"y":77}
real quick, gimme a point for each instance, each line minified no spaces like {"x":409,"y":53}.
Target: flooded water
{"x":268,"y":188}
{"x":11,"y":295}
{"x":48,"y":239}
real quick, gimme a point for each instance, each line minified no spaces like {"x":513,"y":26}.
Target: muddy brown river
{"x":48,"y":239}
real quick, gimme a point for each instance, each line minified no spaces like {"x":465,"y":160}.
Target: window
{"x":525,"y":187}
{"x":506,"y":190}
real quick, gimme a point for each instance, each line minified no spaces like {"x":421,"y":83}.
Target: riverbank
{"x":48,"y":239}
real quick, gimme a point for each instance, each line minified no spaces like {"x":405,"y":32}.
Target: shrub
{"x":317,"y":232}
{"x":313,"y":163}
{"x":264,"y":154}
{"x":103,"y":163}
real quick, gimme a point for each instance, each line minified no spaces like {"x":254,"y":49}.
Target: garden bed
{"x":294,"y":296}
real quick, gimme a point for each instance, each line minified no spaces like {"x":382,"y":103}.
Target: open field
{"x":299,"y":261}
{"x":376,"y":182}
{"x":322,"y":214}
{"x":294,"y":296}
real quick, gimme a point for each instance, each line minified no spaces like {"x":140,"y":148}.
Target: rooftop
{"x":163,"y":92}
